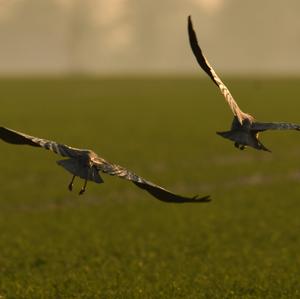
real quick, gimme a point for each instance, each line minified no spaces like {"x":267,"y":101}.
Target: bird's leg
{"x":70,"y":187}
{"x":83,"y":188}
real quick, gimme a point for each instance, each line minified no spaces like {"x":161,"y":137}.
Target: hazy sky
{"x":121,"y":36}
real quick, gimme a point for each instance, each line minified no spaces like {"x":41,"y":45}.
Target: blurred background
{"x":60,"y":37}
{"x":118,"y":77}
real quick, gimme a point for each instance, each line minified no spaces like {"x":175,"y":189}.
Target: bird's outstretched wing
{"x":204,"y":64}
{"x":160,"y":193}
{"x":155,"y":190}
{"x":15,"y":137}
{"x":259,"y":126}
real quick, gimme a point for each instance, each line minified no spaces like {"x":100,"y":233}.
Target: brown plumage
{"x":247,"y":133}
{"x":204,"y":64}
{"x":244,"y":129}
{"x":86,"y":164}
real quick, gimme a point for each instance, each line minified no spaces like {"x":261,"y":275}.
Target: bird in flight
{"x":244,"y":129}
{"x":86,"y":164}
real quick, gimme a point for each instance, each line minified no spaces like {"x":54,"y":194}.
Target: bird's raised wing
{"x":155,"y":190}
{"x":15,"y":137}
{"x":259,"y":126}
{"x":204,"y":64}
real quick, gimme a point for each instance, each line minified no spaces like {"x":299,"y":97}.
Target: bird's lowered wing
{"x":259,"y":126}
{"x":204,"y":64}
{"x":155,"y":190}
{"x":15,"y":137}
{"x":167,"y":196}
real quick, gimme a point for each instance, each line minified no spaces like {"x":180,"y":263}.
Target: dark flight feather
{"x":198,"y":52}
{"x":260,"y":126}
{"x":155,"y":190}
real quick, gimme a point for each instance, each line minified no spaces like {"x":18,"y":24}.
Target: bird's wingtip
{"x":206,"y":198}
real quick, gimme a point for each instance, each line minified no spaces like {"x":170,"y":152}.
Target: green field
{"x":117,"y":241}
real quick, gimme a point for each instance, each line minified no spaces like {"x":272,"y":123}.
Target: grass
{"x":118,"y":242}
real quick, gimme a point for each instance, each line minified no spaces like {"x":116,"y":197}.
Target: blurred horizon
{"x":96,"y":37}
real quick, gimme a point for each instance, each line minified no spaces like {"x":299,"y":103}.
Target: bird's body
{"x":244,"y":129}
{"x":243,"y":135}
{"x":86,"y":164}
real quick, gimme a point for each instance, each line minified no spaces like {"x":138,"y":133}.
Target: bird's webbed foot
{"x":70,"y":186}
{"x":83,"y":188}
